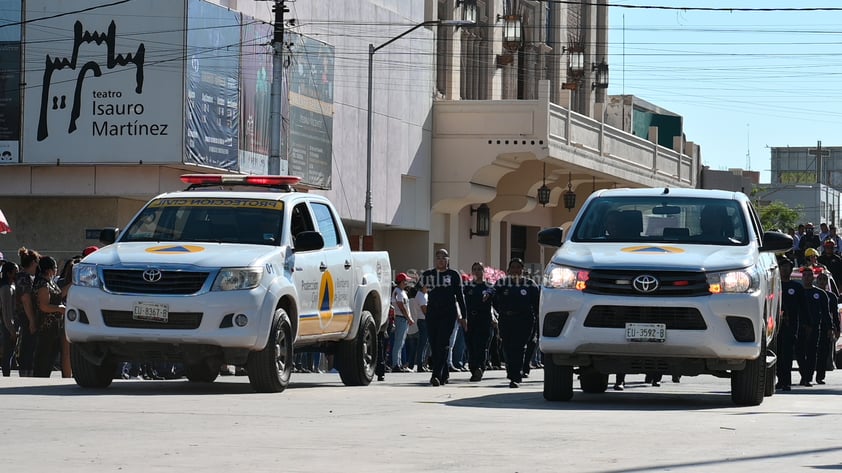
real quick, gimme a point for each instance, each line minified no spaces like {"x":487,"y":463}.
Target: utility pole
{"x":820,"y":154}
{"x":275,"y":115}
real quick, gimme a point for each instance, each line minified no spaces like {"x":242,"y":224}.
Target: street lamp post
{"x":371,"y":50}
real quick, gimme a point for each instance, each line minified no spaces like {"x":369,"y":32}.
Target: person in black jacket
{"x":792,"y":310}
{"x":478,"y":300}
{"x":828,"y":328}
{"x":816,"y":310}
{"x":445,"y":305}
{"x":516,"y":302}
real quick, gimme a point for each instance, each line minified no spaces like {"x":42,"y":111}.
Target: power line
{"x":709,"y":9}
{"x":83,"y":10}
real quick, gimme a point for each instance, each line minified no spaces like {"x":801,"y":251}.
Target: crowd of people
{"x":447,"y":322}
{"x":32,"y":295}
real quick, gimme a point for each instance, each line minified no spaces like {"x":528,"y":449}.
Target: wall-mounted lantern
{"x":469,"y":10}
{"x":512,"y":36}
{"x":483,"y":222}
{"x":544,"y":191}
{"x":569,"y":196}
{"x":601,"y":79}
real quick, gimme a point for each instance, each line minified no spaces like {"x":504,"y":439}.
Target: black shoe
{"x":820,"y":381}
{"x":513,"y":385}
{"x":476,"y":375}
{"x":380,"y":378}
{"x":656,"y":384}
{"x":525,"y":374}
{"x":676,"y":379}
{"x":619,"y":387}
{"x":805,"y":383}
{"x":435,"y":381}
{"x":445,"y":381}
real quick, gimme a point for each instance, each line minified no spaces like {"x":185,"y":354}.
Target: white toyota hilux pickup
{"x":236,"y":270}
{"x":661,"y":281}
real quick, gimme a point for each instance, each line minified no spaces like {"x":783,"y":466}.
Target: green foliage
{"x":778,"y":216}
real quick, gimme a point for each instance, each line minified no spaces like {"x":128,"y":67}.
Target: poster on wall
{"x":310,"y":146}
{"x":103,"y":81}
{"x":256,"y":84}
{"x":213,"y":86}
{"x":10,"y":80}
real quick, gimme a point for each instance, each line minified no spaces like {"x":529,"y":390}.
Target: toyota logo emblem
{"x":645,"y":283}
{"x":152,"y":275}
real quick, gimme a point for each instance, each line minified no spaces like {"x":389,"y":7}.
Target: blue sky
{"x":741,"y":80}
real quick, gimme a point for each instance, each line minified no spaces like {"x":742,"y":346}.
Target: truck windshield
{"x":663,"y":220}
{"x":248,"y":221}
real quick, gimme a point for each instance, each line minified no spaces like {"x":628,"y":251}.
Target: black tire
{"x":558,"y":381}
{"x":86,"y":373}
{"x":593,"y":382}
{"x":355,"y":359}
{"x":269,"y":369}
{"x":201,"y":373}
{"x":772,"y":371}
{"x":748,"y":385}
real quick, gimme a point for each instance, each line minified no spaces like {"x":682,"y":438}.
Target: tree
{"x":778,"y":216}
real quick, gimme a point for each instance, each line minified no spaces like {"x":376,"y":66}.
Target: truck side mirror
{"x":309,"y":241}
{"x":551,"y":236}
{"x":108,"y":236}
{"x":776,"y":241}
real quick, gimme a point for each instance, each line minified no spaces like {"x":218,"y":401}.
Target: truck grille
{"x":670,"y":283}
{"x":130,"y":281}
{"x":676,"y":318}
{"x":176,"y":321}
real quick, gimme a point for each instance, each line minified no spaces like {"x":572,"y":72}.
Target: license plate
{"x":646,"y":332}
{"x":151,"y":312}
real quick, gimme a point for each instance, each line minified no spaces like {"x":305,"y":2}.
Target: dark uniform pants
{"x":515,"y":330}
{"x":823,"y":353}
{"x":47,"y":348}
{"x":479,"y":338}
{"x":808,"y":342}
{"x":439,"y":329}
{"x":786,"y":348}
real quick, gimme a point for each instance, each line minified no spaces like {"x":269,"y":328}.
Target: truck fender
{"x":363,"y":292}
{"x":279,"y":289}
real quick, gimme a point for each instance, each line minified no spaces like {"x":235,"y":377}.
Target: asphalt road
{"x":405,"y":425}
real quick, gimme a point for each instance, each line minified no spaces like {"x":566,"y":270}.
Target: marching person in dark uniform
{"x":831,"y":260}
{"x":478,"y":300}
{"x":516,"y":302}
{"x":816,"y":304}
{"x":828,"y":328}
{"x":792,"y":310}
{"x":445,"y":305}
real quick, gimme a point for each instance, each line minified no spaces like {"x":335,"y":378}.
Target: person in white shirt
{"x":418,"y":305}
{"x":403,"y":319}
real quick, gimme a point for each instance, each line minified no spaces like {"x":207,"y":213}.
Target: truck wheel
{"x":355,"y":358}
{"x":593,"y":382}
{"x":269,"y":369}
{"x":86,"y":373}
{"x":201,"y":373}
{"x":558,"y":381}
{"x":771,"y":372}
{"x":749,"y":384}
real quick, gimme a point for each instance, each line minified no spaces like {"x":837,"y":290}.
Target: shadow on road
{"x":153,"y":388}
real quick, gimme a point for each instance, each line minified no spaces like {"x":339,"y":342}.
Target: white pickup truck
{"x":662,"y":281}
{"x":236,"y":270}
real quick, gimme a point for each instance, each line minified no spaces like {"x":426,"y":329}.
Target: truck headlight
{"x":732,"y":281}
{"x":85,"y":275}
{"x":234,"y":279}
{"x":564,"y":277}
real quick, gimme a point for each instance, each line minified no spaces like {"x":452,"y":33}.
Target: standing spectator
{"x":7,"y":312}
{"x":795,"y":242}
{"x":830,"y":259}
{"x":824,"y":231}
{"x":828,"y":328}
{"x":445,"y":305}
{"x":403,"y":319}
{"x":792,"y":311}
{"x":809,"y":240}
{"x":50,"y":314}
{"x":418,"y":306}
{"x":25,"y":307}
{"x":516,"y":300}
{"x":832,"y":236}
{"x":816,"y":304}
{"x":478,"y":300}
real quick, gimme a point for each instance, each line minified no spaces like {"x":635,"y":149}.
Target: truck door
{"x":307,"y":273}
{"x":335,"y":286}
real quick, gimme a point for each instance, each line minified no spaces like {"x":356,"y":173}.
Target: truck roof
{"x":673,"y":192}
